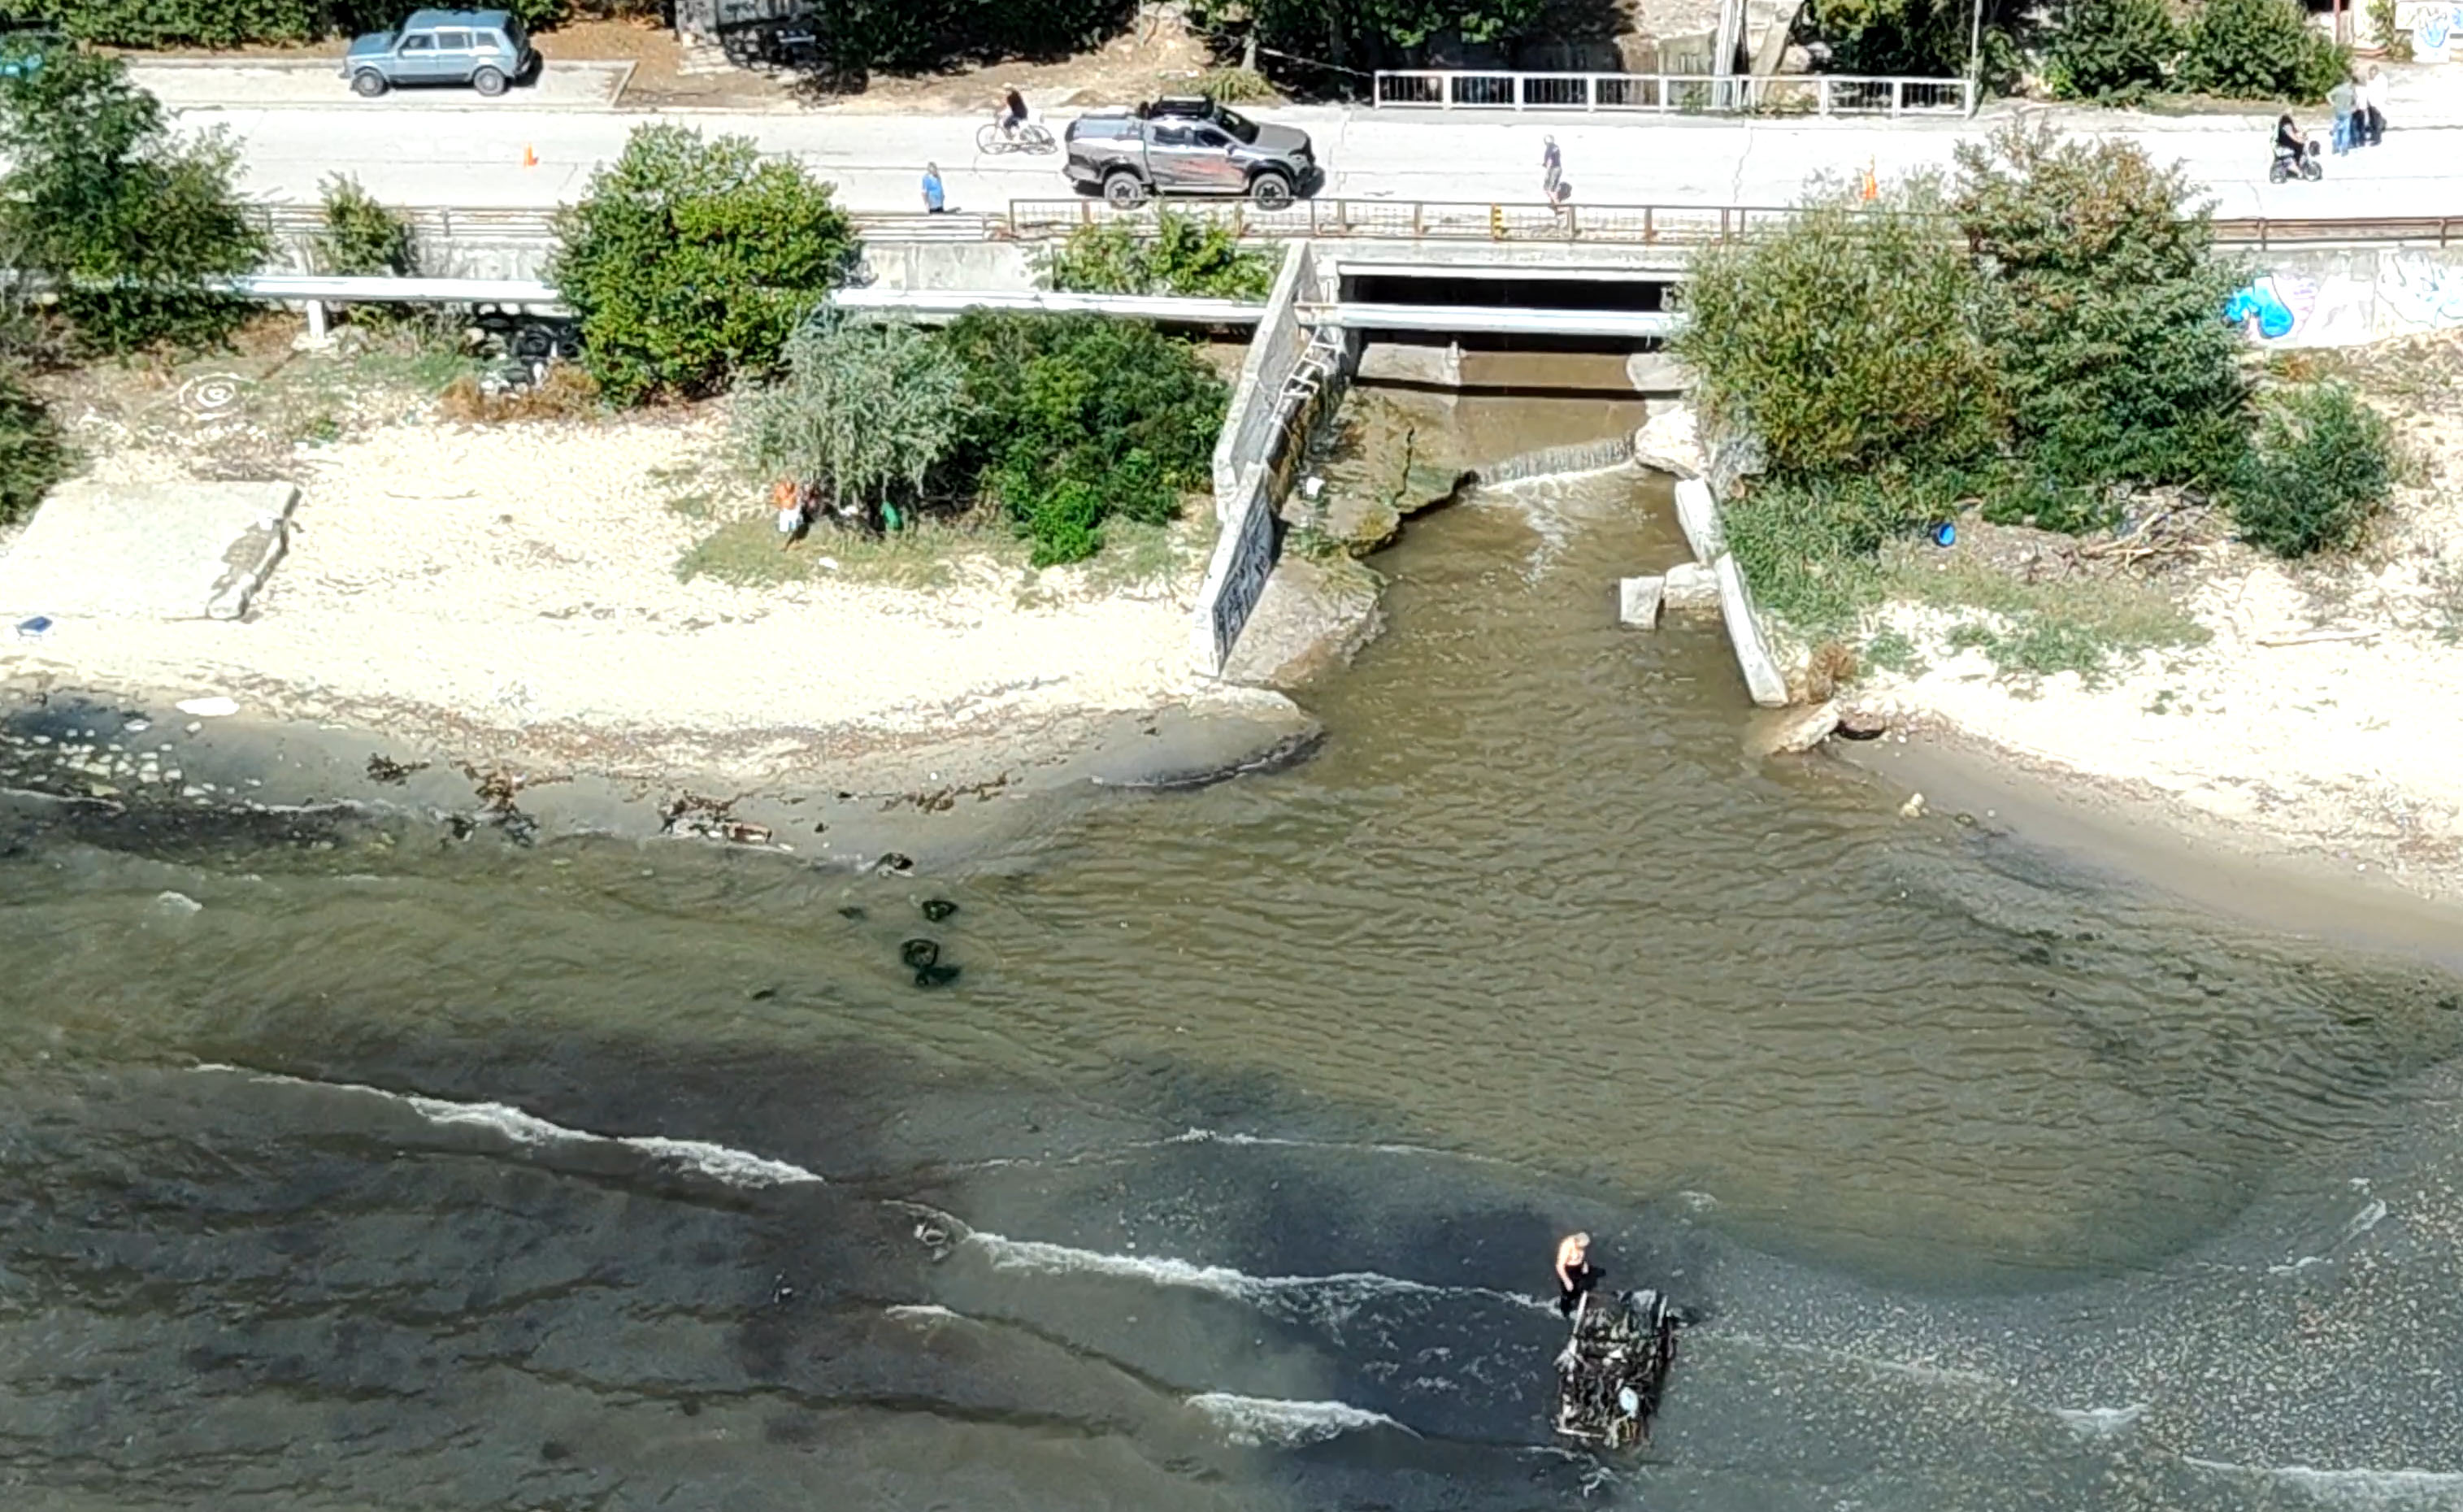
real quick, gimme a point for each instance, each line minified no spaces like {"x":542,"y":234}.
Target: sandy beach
{"x":517,"y":593}
{"x":2321,"y":718}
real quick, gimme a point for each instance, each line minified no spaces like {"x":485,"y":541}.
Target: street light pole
{"x":1975,"y":58}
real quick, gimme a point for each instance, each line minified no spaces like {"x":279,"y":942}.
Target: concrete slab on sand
{"x":150,"y":551}
{"x":213,"y":83}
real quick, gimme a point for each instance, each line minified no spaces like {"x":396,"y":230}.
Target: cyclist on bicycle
{"x":1013,"y":117}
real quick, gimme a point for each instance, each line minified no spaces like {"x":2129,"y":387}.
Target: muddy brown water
{"x":410,"y":1170}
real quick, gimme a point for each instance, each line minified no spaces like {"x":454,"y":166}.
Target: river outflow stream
{"x":415,"y":1171}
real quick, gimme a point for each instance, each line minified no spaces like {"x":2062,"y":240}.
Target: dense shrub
{"x":362,"y":238}
{"x":1185,"y":257}
{"x":1845,"y":339}
{"x":126,"y":220}
{"x":691,"y":262}
{"x":2323,"y":468}
{"x":2260,"y":50}
{"x":32,"y":457}
{"x":1323,"y":41}
{"x":2112,"y":51}
{"x":1073,"y":419}
{"x":2101,"y":317}
{"x":865,"y":412}
{"x":235,"y":23}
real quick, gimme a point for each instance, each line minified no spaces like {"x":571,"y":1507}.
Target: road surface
{"x":439,"y":150}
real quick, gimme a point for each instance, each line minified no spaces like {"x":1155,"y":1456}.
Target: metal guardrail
{"x":1396,"y":219}
{"x":1409,"y":220}
{"x":1677,"y":94}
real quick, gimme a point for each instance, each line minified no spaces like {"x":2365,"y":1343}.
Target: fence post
{"x":1821,"y":95}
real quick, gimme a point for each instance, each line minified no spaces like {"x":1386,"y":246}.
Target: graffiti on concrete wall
{"x":2436,"y":29}
{"x":2351,"y":298}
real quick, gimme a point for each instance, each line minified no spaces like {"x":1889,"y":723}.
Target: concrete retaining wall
{"x":2347,"y":296}
{"x":1697,"y":514}
{"x":1251,"y":456}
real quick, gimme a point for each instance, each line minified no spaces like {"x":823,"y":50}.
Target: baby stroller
{"x":2304,"y":161}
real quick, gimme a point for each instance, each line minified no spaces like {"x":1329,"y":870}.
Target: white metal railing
{"x":1680,"y":94}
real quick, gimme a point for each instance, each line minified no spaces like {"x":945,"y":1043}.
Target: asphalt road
{"x":438,"y":150}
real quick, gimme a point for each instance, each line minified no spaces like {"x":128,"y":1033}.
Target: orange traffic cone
{"x":529,"y":159}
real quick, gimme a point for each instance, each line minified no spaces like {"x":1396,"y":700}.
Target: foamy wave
{"x":1260,"y":1420}
{"x":1329,"y":1300}
{"x":2101,"y":1422}
{"x":2372,"y":1213}
{"x":921,"y":1312}
{"x":737,"y":1167}
{"x":2355,"y":1488}
{"x":1210,"y":1136}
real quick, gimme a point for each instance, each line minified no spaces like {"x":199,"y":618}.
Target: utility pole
{"x":1975,"y":58}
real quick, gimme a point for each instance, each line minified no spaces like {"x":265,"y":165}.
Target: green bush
{"x":1183,"y":257}
{"x":2101,"y":316}
{"x":1075,"y":419}
{"x":1845,"y":339}
{"x":2114,"y":52}
{"x":2323,"y":468}
{"x":126,"y":220}
{"x":691,"y":262}
{"x":361,"y":238}
{"x":865,"y":412}
{"x":2260,"y":50}
{"x":32,"y":456}
{"x":237,"y":23}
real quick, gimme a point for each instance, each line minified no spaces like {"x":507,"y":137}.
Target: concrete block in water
{"x":1692,"y":587}
{"x":148,"y":551}
{"x":1697,"y":513}
{"x":1638,"y":601}
{"x":1763,"y":678}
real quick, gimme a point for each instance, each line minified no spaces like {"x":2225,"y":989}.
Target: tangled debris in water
{"x":709,"y":818}
{"x":938,"y":909}
{"x":392,"y":773}
{"x":936,"y":975}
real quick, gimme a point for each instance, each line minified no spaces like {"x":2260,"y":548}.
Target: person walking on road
{"x":1551,"y":172}
{"x":2344,"y":97}
{"x":935,"y":202}
{"x":2373,"y":103}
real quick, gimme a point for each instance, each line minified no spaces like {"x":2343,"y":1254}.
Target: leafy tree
{"x":1846,"y":339}
{"x":2323,"y":468}
{"x":2103,"y":313}
{"x":236,"y":23}
{"x":691,"y":262}
{"x":1073,"y":419}
{"x":1351,"y":33}
{"x":2260,"y":49}
{"x":126,"y":220}
{"x":32,"y":456}
{"x":1183,"y":257}
{"x":2111,"y":51}
{"x":361,"y":237}
{"x":1928,"y":39}
{"x":864,"y":411}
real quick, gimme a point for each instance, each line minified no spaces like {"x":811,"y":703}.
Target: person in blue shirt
{"x":933,"y":203}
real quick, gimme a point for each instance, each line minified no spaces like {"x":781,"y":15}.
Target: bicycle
{"x":1029,"y":137}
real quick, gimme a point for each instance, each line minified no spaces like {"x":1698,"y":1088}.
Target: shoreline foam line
{"x":737,"y":1167}
{"x":1261,"y":1420}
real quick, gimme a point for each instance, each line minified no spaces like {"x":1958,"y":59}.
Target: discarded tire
{"x":920,"y":954}
{"x":938,"y":909}
{"x":936,"y":975}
